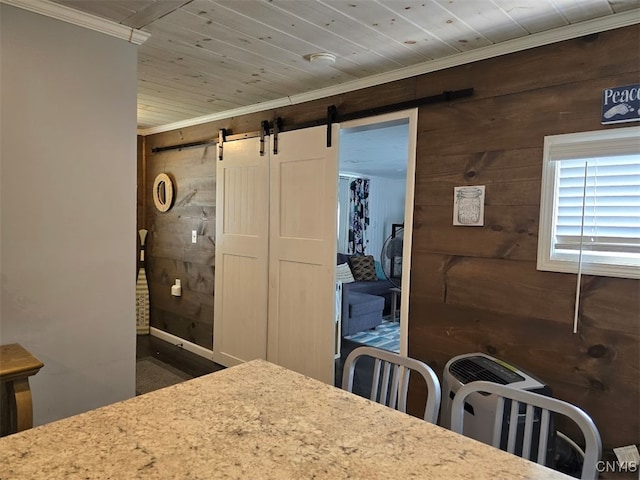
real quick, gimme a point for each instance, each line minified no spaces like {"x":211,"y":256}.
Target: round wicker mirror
{"x":163,"y":192}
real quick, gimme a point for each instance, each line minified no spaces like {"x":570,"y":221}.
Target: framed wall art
{"x":468,"y":206}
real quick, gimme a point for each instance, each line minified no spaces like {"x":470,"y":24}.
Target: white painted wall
{"x":68,"y":199}
{"x":386,"y":206}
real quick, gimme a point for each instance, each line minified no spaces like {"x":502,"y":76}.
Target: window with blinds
{"x":590,"y":204}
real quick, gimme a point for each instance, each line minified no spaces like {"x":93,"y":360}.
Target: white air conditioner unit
{"x":480,"y":409}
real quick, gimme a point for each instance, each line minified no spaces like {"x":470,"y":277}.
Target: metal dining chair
{"x":390,"y":382}
{"x":533,"y":412}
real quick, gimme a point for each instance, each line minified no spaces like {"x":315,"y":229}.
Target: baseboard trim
{"x":174,"y":340}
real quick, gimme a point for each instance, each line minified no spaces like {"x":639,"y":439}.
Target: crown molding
{"x":81,"y":19}
{"x":569,"y":32}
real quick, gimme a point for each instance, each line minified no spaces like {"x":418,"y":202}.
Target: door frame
{"x":412,"y":116}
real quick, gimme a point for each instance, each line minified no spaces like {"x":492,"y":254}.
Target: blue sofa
{"x":363,"y":302}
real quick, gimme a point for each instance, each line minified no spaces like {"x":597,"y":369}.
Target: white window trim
{"x":578,"y":145}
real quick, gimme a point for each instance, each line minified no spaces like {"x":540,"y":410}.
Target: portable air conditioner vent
{"x":481,"y":409}
{"x":471,"y":369}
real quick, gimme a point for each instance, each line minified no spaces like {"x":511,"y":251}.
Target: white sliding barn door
{"x":302,"y":252}
{"x":241,"y":275}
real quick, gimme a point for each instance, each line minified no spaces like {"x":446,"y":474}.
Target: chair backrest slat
{"x":534,"y":403}
{"x":392,"y":389}
{"x":402,"y":406}
{"x":395,"y":383}
{"x":376,"y":379}
{"x":384,"y":386}
{"x":528,"y":431}
{"x":512,"y":435}
{"x":497,"y":423}
{"x":545,"y":419}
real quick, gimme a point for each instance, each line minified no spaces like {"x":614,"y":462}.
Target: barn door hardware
{"x":264,"y":131}
{"x":332,"y":117}
{"x":222,"y":137}
{"x":184,"y":145}
{"x":445,"y":96}
{"x":277,"y":128}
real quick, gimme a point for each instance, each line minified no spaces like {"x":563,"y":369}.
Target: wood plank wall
{"x":477,"y":289}
{"x":171,"y":254}
{"x":472,"y":289}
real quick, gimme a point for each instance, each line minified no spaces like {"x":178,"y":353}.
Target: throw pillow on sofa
{"x":363,"y":268}
{"x":343,"y":274}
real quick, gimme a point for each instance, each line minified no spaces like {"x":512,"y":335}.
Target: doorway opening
{"x":377,"y":158}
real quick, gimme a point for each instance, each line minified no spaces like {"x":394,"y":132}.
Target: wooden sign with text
{"x":621,"y":104}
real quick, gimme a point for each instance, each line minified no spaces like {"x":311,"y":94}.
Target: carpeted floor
{"x":385,"y":336}
{"x":153,"y":374}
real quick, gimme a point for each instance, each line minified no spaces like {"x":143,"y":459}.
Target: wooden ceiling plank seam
{"x":443,"y":24}
{"x":154,"y":119}
{"x":207,"y":90}
{"x":168,"y":109}
{"x":241,"y":97}
{"x":225,"y":37}
{"x":153,"y":12}
{"x":275,"y":23}
{"x":559,"y":11}
{"x":147,"y":110}
{"x":275,"y":82}
{"x":151,"y":100}
{"x":340,"y":23}
{"x":575,"y":11}
{"x":233,"y":67}
{"x":625,"y":5}
{"x":244,"y":60}
{"x":267,"y":34}
{"x":162,"y":84}
{"x":151,"y":112}
{"x":198,"y":25}
{"x":493,"y":22}
{"x":533,"y":15}
{"x":281,"y":19}
{"x":162,"y":108}
{"x":211,"y":90}
{"x":375,"y":29}
{"x":389,"y":30}
{"x":299,"y":48}
{"x":222,"y":70}
{"x":273,"y":36}
{"x":436,"y":46}
{"x":148,"y":94}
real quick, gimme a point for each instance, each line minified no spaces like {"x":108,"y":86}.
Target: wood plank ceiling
{"x":212,"y":56}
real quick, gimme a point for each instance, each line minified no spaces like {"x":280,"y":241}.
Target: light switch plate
{"x":194,"y":236}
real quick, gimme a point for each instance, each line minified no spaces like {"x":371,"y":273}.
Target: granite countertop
{"x":253,"y":421}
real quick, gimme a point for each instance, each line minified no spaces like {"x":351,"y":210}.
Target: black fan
{"x":391,"y":255}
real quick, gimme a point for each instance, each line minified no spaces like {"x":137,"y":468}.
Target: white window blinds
{"x":599,"y":212}
{"x":590,"y":204}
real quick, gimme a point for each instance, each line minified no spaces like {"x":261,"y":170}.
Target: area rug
{"x":385,"y":336}
{"x":153,"y":374}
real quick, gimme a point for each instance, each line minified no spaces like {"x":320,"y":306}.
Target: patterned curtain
{"x":358,"y":215}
